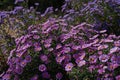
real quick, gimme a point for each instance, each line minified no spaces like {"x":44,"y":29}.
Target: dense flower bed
{"x":54,"y":49}
{"x":79,"y":43}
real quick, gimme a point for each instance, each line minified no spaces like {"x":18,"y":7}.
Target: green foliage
{"x":81,"y":74}
{"x":6,"y":4}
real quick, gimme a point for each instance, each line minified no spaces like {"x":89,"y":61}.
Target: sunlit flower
{"x":93,"y":59}
{"x":60,"y":59}
{"x":113,"y":50}
{"x":101,"y":71}
{"x":104,"y":58}
{"x":81,"y":63}
{"x":58,"y":46}
{"x":69,"y":67}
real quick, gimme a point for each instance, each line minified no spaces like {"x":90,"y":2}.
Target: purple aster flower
{"x":81,"y":63}
{"x":108,"y":40}
{"x":86,"y":45}
{"x":6,"y":77}
{"x":104,"y":58}
{"x":115,"y":49}
{"x":94,"y":37}
{"x":75,"y":56}
{"x":69,"y":67}
{"x":64,"y":7}
{"x":50,"y":49}
{"x":47,"y":45}
{"x":64,"y":37}
{"x":77,"y":60}
{"x":36,"y":44}
{"x":23,"y":47}
{"x":46,"y":75}
{"x":43,"y":58}
{"x":23,"y":63}
{"x":67,"y":57}
{"x":117,"y":43}
{"x":42,"y":67}
{"x":58,"y":46}
{"x":112,"y":66}
{"x":32,"y":31}
{"x":82,"y":55}
{"x":93,"y":59}
{"x":30,"y":42}
{"x":60,"y":59}
{"x":55,"y":27}
{"x":28,"y":58}
{"x":100,"y":52}
{"x":76,"y":47}
{"x":18,"y":8}
{"x":101,"y":71}
{"x":66,"y":49}
{"x":45,"y":25}
{"x":18,"y":60}
{"x":101,"y":47}
{"x":47,"y":11}
{"x":36,"y":36}
{"x":118,"y":59}
{"x":11,"y":54}
{"x":19,"y":54}
{"x":37,"y":47}
{"x":117,"y":77}
{"x":113,"y":59}
{"x":18,"y":69}
{"x":79,"y":57}
{"x":59,"y":75}
{"x":91,"y":68}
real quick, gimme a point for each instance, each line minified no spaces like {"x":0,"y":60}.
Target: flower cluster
{"x":13,"y":24}
{"x":63,"y":47}
{"x":103,"y":14}
{"x":56,"y":45}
